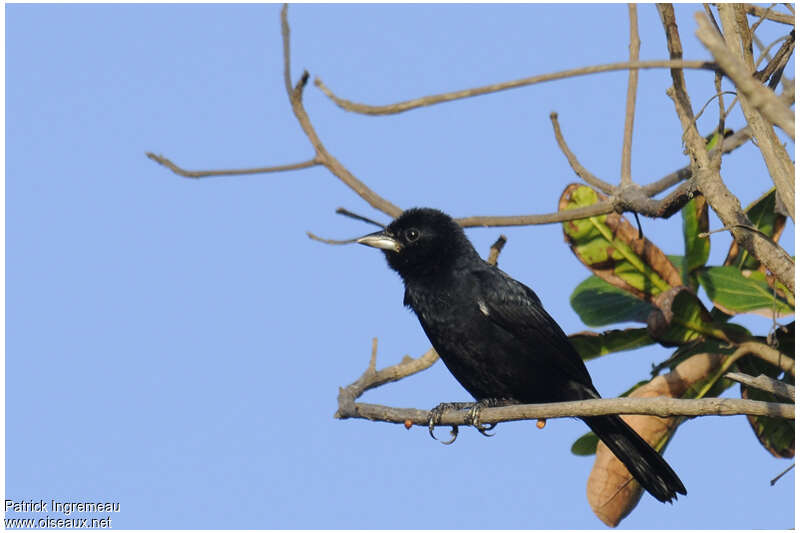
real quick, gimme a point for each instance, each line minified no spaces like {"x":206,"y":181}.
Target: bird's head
{"x":421,"y":242}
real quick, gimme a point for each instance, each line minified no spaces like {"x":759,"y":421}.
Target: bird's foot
{"x":471,"y":418}
{"x":474,"y":413}
{"x":436,"y":417}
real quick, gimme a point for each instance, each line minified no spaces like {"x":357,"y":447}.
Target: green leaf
{"x":590,"y":344}
{"x":599,"y":303}
{"x":762,"y":214}
{"x":586,"y":444}
{"x":682,"y":318}
{"x":695,"y":221}
{"x":610,"y":246}
{"x":733,"y":292}
{"x":712,"y":139}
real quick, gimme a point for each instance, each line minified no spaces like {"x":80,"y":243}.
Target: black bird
{"x":495,"y":337}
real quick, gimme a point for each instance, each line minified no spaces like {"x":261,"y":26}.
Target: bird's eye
{"x":412,"y":234}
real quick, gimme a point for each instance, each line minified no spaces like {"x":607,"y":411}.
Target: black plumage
{"x":495,"y":337}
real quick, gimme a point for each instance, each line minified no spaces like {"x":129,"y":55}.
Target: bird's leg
{"x":436,"y":416}
{"x":474,"y":413}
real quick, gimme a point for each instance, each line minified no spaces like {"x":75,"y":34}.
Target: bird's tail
{"x":644,"y":463}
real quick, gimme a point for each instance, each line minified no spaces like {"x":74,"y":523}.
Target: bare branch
{"x":337,"y":242}
{"x":600,"y":208}
{"x":776,"y":65}
{"x":161,"y":160}
{"x":662,"y":407}
{"x":372,"y":378}
{"x":765,"y":383}
{"x":630,"y":106}
{"x":707,"y":9}
{"x":765,"y":353}
{"x":295,"y":95}
{"x":769,"y":14}
{"x":668,"y":181}
{"x":630,"y":199}
{"x":579,"y":169}
{"x":779,"y":476}
{"x":778,"y":162}
{"x":667,"y":14}
{"x":708,"y":179}
{"x":424,"y":101}
{"x":762,"y":99}
{"x":730,"y":144}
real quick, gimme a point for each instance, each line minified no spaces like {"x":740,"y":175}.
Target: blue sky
{"x":177,"y":346}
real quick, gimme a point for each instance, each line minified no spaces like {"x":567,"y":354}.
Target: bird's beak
{"x":382,"y":240}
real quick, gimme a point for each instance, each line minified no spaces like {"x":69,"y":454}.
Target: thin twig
{"x":746,"y":227}
{"x":335,"y":242}
{"x":579,"y":169}
{"x":161,"y":160}
{"x":730,"y":144}
{"x":717,"y":159}
{"x":497,"y":247}
{"x":702,"y":109}
{"x":295,"y":95}
{"x":765,"y":383}
{"x":769,"y":14}
{"x":761,"y":19}
{"x":372,"y":378}
{"x":630,"y":105}
{"x":362,"y":218}
{"x":401,"y":107}
{"x":707,"y":9}
{"x":774,"y":69}
{"x":764,"y":100}
{"x":775,"y":480}
{"x":629,"y":199}
{"x":600,"y":208}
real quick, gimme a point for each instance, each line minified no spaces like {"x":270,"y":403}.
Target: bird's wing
{"x":514,"y":307}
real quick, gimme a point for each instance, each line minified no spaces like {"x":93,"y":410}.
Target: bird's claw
{"x":473,"y":419}
{"x":435,"y":418}
{"x":454,"y":433}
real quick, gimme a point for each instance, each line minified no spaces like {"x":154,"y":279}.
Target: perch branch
{"x":424,"y":101}
{"x":662,"y":407}
{"x":372,"y":377}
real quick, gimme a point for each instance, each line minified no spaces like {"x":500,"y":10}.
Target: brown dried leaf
{"x":611,"y":490}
